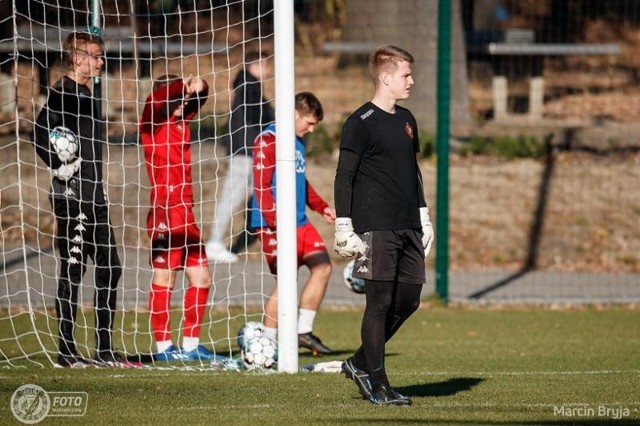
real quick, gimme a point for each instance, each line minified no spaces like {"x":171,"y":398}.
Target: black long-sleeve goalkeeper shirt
{"x":378,"y":182}
{"x":72,"y":105}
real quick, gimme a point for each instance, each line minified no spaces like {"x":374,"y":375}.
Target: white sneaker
{"x":216,"y":252}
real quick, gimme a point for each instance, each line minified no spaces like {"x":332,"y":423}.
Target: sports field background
{"x":460,"y":366}
{"x":544,"y":323}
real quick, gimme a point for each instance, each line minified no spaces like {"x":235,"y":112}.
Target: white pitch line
{"x":528,"y":405}
{"x":165,"y":373}
{"x":170,"y":371}
{"x":445,"y":405}
{"x":520,"y":373}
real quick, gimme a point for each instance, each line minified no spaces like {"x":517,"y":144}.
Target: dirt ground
{"x":569,"y":212}
{"x":574,"y":211}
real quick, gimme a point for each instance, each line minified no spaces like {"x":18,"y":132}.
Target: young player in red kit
{"x":312,"y":251}
{"x":175,"y":237}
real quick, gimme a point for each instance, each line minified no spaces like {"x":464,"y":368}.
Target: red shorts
{"x":308,"y":241}
{"x":175,"y":238}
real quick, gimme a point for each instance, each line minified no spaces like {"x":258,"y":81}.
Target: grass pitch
{"x":469,"y":366}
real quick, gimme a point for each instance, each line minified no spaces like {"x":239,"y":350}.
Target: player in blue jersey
{"x":312,"y":251}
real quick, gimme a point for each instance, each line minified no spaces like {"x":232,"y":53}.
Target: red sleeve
{"x":264,"y":166}
{"x":157,"y":105}
{"x":195,"y":102}
{"x":314,"y":200}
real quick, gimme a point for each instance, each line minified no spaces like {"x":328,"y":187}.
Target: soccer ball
{"x":356,"y":285}
{"x":64,"y":142}
{"x":259,"y":352}
{"x":249,"y":330}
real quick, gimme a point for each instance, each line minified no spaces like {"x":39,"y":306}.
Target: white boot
{"x":216,"y":252}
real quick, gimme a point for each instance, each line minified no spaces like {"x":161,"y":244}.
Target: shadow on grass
{"x":446,"y":388}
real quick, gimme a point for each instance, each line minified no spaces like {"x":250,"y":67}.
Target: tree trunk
{"x":413,"y":26}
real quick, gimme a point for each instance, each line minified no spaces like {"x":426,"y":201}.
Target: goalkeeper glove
{"x":347,"y":243}
{"x":66,"y":171}
{"x":427,"y":230}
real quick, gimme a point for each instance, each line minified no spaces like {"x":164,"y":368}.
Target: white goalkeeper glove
{"x":427,"y":230}
{"x":66,"y":171}
{"x":347,"y":243}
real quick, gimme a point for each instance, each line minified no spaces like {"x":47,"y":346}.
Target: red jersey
{"x":166,"y":143}
{"x":265,"y":187}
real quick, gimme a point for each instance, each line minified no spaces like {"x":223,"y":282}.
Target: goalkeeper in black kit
{"x":382,"y":217}
{"x":83,"y":229}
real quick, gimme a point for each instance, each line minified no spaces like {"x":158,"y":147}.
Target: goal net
{"x":543,"y":156}
{"x":143,"y":41}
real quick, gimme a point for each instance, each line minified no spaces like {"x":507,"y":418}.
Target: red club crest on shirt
{"x":409,"y":130}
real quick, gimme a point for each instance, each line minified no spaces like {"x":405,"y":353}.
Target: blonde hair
{"x":386,"y":58}
{"x":79,"y":41}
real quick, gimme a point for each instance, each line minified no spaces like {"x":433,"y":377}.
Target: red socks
{"x":195,"y":300}
{"x":159,"y":305}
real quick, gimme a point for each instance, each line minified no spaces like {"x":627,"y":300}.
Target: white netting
{"x":143,"y":40}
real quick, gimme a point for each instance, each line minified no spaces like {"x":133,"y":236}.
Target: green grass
{"x":469,"y":366}
{"x":506,"y":147}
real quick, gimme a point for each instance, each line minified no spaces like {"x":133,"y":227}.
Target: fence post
{"x":442,"y":131}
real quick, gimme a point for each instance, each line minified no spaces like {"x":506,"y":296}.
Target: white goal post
{"x":286,"y":178}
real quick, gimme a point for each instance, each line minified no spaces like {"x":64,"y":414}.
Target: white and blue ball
{"x":64,"y":142}
{"x":354,"y":284}
{"x":259,"y":352}
{"x":249,"y":330}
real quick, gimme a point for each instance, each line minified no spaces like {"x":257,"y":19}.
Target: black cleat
{"x":74,"y":361}
{"x":311,"y":341}
{"x":115,"y":359}
{"x":359,"y":377}
{"x":386,"y":395}
{"x":400,"y":396}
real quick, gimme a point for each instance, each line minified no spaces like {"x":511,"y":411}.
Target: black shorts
{"x":392,"y":256}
